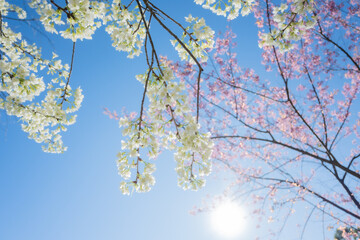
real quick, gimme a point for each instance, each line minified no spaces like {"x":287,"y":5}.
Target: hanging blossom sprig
{"x":21,"y":85}
{"x":169,"y":124}
{"x":126,"y":28}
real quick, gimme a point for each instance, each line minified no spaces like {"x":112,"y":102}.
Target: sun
{"x":228,"y":219}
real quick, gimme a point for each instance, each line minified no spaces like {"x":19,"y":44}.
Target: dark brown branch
{"x":231,"y":114}
{"x":173,"y":20}
{"x":320,"y":104}
{"x":342,"y":124}
{"x":64,"y":9}
{"x":187,"y":50}
{"x":68,"y":79}
{"x":348,"y":191}
{"x":317,"y":195}
{"x":337,"y":45}
{"x":335,"y":163}
{"x":350,"y":163}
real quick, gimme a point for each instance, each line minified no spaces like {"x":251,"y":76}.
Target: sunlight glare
{"x":228,"y":219}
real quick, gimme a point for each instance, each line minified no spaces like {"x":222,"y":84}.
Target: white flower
{"x":229,"y":9}
{"x":202,"y":38}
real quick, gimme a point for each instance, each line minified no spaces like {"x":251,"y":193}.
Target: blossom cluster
{"x":126,"y":29}
{"x":199,"y":36}
{"x":82,"y":17}
{"x":21,"y":86}
{"x":169,"y":124}
{"x":229,"y":9}
{"x":291,"y":22}
{"x":124,"y":26}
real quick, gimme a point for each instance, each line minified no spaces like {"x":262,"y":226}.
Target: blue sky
{"x":76,"y":195}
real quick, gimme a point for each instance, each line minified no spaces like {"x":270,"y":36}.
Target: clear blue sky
{"x":76,"y":195}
